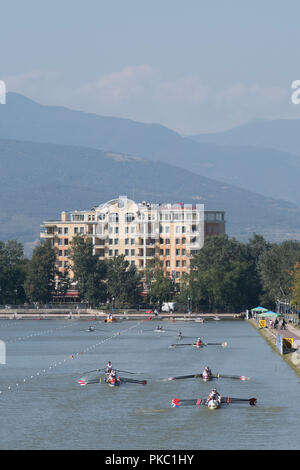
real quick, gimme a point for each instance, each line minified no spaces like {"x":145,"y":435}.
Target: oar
{"x":187,"y":402}
{"x":238,"y":377}
{"x":229,"y":400}
{"x":95,"y":370}
{"x":216,"y":344}
{"x":133,"y":381}
{"x":181,"y":344}
{"x":84,"y":381}
{"x":127,"y":372}
{"x":194,"y":376}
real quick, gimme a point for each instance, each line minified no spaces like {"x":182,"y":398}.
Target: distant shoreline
{"x":91,"y":314}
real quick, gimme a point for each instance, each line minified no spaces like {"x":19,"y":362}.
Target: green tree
{"x":295,"y":286}
{"x":40,"y":273}
{"x":89,"y":271}
{"x":123,"y":281}
{"x":12,"y":272}
{"x":275,"y":266}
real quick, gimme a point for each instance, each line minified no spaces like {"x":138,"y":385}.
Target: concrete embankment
{"x":93,"y":314}
{"x":292,"y":357}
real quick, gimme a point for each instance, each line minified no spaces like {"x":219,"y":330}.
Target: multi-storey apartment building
{"x":140,"y":231}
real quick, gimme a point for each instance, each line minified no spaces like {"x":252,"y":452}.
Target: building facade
{"x":139,"y":231}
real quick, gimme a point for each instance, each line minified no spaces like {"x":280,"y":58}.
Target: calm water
{"x":43,"y":407}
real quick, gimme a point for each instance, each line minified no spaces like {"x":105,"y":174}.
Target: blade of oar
{"x":181,"y":344}
{"x":133,"y":381}
{"x":216,"y":344}
{"x":194,"y":376}
{"x":224,"y":376}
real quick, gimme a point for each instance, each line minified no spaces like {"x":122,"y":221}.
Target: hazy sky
{"x":194,"y":66}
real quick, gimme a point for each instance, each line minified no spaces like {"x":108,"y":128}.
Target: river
{"x":43,"y":406}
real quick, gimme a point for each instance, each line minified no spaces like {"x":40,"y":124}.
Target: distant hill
{"x":281,"y":134}
{"x":270,"y":172}
{"x":38,"y":181}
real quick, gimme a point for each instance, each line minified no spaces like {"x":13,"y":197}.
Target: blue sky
{"x":194,"y":66}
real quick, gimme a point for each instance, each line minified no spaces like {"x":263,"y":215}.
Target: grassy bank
{"x":270,"y":337}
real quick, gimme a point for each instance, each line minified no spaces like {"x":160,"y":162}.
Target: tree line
{"x":225,"y":275}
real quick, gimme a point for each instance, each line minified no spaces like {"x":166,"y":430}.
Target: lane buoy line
{"x":70,"y":357}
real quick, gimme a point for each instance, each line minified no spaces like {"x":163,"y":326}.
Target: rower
{"x":179,"y":335}
{"x":199,"y":343}
{"x":207,"y":372}
{"x":214,"y":395}
{"x":113,"y":377}
{"x":108,"y":367}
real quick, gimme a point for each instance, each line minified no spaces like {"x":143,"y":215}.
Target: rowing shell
{"x":212,"y":404}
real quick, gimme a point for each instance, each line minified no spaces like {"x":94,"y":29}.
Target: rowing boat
{"x":103,"y":379}
{"x":208,"y":377}
{"x":211,"y":404}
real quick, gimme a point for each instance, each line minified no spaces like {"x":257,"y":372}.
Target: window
{"x":66,"y":241}
{"x":132,"y":241}
{"x":60,"y":230}
{"x":116,"y":252}
{"x":126,"y":241}
{"x":66,"y":264}
{"x":177,"y":252}
{"x":183,"y":263}
{"x":81,"y":229}
{"x":167,"y":264}
{"x":167,"y":241}
{"x":183,"y":252}
{"x":110,"y":241}
{"x":132,"y":252}
{"x":132,"y":229}
{"x":167,"y":252}
{"x":60,"y":253}
{"x":66,"y":253}
{"x":116,"y":229}
{"x":116,"y":241}
{"x":177,"y":241}
{"x":129,"y":217}
{"x":183,"y":241}
{"x":75,"y":229}
{"x":78,"y":217}
{"x":60,"y":241}
{"x":126,"y":252}
{"x":177,"y":264}
{"x":60,"y":264}
{"x":114,"y":217}
{"x":126,"y":229}
{"x":110,"y":252}
{"x":65,"y":230}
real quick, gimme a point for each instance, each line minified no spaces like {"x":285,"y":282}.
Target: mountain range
{"x":54,"y":159}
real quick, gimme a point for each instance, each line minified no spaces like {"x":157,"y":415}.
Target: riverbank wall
{"x":95,"y":314}
{"x":291,"y":356}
